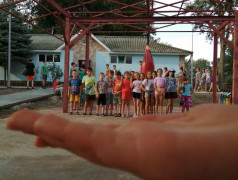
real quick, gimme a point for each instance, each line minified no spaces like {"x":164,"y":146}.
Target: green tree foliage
{"x":100,"y":5}
{"x":20,"y":40}
{"x":200,"y":63}
{"x":211,"y":5}
{"x":56,"y":71}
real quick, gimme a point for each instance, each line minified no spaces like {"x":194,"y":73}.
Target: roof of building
{"x":121,"y":44}
{"x":45,"y":42}
{"x":136,"y":44}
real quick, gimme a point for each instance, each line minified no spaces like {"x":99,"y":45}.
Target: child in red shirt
{"x":57,"y":87}
{"x":126,"y":93}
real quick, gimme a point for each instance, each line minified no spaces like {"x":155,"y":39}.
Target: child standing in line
{"x":197,"y":79}
{"x":74,"y":92}
{"x":110,"y":80}
{"x":148,"y":87}
{"x":116,"y":91}
{"x":126,"y":93}
{"x":203,"y":79}
{"x":159,"y":86}
{"x":44,"y":74}
{"x":142,"y":97}
{"x":171,"y":91}
{"x":88,"y":83}
{"x":207,"y":79}
{"x":187,"y":90}
{"x":136,"y":94}
{"x":101,"y":93}
{"x":107,"y":70}
{"x":180,"y":76}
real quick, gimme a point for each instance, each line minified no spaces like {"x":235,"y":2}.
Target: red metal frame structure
{"x":153,"y":12}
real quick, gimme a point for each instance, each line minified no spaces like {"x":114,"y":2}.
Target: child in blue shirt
{"x":74,"y":92}
{"x":186,"y":90}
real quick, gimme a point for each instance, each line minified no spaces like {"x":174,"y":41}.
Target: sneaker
{"x":115,"y":115}
{"x":97,"y":114}
{"x":70,"y":113}
{"x":33,"y":88}
{"x":84,"y":114}
{"x":103,"y":115}
{"x":90,"y":113}
{"x":106,"y":114}
{"x":119,"y":115}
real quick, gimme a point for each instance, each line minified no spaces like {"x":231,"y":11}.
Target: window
{"x":113,"y":59}
{"x":49,"y":57}
{"x":42,"y":57}
{"x":121,"y":59}
{"x":128,"y":60}
{"x":56,"y":58}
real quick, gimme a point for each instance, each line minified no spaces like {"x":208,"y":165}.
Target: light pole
{"x":9,"y":51}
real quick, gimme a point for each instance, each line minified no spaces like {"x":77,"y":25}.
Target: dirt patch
{"x":4,"y":91}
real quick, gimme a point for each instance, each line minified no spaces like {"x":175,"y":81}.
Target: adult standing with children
{"x":30,"y":72}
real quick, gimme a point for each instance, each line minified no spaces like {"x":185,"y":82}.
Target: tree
{"x":50,"y":21}
{"x":210,"y":5}
{"x":20,"y":40}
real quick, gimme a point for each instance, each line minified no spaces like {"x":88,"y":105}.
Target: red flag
{"x":148,"y":62}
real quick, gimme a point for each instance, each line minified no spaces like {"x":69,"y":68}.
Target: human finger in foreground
{"x":201,"y":144}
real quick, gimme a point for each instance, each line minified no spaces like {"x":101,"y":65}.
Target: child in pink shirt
{"x":159,"y":86}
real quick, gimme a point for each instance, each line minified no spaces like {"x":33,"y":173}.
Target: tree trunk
{"x":221,"y":65}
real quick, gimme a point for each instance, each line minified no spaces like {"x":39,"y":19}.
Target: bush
{"x":55,"y":71}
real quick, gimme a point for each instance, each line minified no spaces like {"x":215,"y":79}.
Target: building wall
{"x":160,"y":61}
{"x":80,"y":51}
{"x":17,"y":68}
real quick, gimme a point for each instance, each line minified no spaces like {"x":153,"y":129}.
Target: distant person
{"x":186,"y":90}
{"x":180,"y":76}
{"x":74,"y":92}
{"x":107,"y":70}
{"x":57,"y":87}
{"x":197,"y":79}
{"x":82,"y":66}
{"x":90,"y":93}
{"x":117,"y":91}
{"x":101,"y":93}
{"x":203,"y":80}
{"x":159,"y":86}
{"x":211,"y":86}
{"x":132,"y":75}
{"x":44,"y":74}
{"x":136,"y":94}
{"x":126,"y":94}
{"x":73,"y":67}
{"x":114,"y":69}
{"x":110,"y":80}
{"x":166,"y":72}
{"x":30,"y":72}
{"x":171,"y":91}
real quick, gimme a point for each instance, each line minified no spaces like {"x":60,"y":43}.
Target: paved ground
{"x":20,"y":160}
{"x":10,"y":100}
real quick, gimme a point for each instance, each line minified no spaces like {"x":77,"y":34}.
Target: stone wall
{"x":80,"y":51}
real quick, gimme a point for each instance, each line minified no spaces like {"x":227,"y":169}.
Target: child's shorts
{"x":44,"y":77}
{"x":102,"y":99}
{"x":74,"y":98}
{"x":186,"y":101}
{"x":126,"y":95}
{"x":149,"y":94}
{"x":30,"y":78}
{"x":109,"y":98}
{"x":136,"y":95}
{"x":117,"y":99}
{"x":58,"y":89}
{"x":89,"y":97}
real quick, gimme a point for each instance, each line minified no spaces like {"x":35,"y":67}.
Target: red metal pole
{"x":214,"y":88}
{"x":66,"y":64}
{"x":88,"y":35}
{"x":235,"y":62}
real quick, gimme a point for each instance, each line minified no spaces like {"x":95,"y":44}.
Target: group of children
{"x":114,"y":92}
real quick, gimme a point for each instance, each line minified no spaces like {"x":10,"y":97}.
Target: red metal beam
{"x":81,"y":35}
{"x":153,"y":19}
{"x":222,"y":26}
{"x":235,"y":62}
{"x":66,"y":64}
{"x":221,"y":36}
{"x":214,"y":88}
